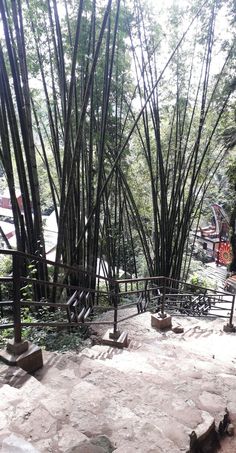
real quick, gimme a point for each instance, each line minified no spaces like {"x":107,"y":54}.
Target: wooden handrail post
{"x":16,"y":261}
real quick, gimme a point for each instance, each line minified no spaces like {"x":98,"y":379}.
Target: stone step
{"x":148,"y":397}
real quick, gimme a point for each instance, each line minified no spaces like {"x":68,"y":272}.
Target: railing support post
{"x":230,"y":327}
{"x":116,"y":303}
{"x":20,"y":353}
{"x":232,"y":311}
{"x":163,"y":299}
{"x":113,"y":337}
{"x":16,"y":297}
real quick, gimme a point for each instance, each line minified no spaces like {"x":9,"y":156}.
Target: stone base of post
{"x":117,"y":340}
{"x":160,"y":322}
{"x":229,"y":328}
{"x":24,"y":354}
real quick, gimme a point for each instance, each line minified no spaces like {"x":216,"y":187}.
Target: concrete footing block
{"x":119,"y":340}
{"x":17,"y":348}
{"x":114,"y":335}
{"x":160,"y":322}
{"x":16,"y":354}
{"x":229,"y":328}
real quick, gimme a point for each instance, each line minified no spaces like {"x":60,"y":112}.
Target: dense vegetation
{"x":119,"y":120}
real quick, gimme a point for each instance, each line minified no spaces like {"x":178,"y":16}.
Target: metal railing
{"x":164,"y":294}
{"x":70,"y":280}
{"x":79,"y":303}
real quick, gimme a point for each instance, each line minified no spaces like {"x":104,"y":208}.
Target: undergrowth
{"x":49,"y":338}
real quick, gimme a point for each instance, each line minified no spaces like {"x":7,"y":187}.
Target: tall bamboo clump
{"x":16,"y":131}
{"x":74,"y":119}
{"x":68,"y":98}
{"x":179,"y":130}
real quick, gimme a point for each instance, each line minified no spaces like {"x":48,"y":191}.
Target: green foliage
{"x":26,"y":316}
{"x":202,"y":280}
{"x":49,"y":338}
{"x":5,"y":335}
{"x":54,"y":340}
{"x":231,"y":170}
{"x":27,"y":290}
{"x":197,"y":280}
{"x":5,"y":270}
{"x":5,"y":265}
{"x":103,"y":301}
{"x":198,"y":275}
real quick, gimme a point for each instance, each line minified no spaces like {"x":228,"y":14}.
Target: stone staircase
{"x":217,"y":274}
{"x":147,"y":398}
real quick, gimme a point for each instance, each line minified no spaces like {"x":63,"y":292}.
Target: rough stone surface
{"x":147,"y":398}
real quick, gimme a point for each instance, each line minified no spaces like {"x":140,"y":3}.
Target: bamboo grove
{"x":124,"y":121}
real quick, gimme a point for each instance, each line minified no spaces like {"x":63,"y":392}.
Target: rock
{"x":189,"y":416}
{"x":70,"y":437}
{"x":177,"y":329}
{"x":177,"y":433}
{"x":230,"y":429}
{"x":211,"y":402}
{"x":229,"y":379}
{"x":17,"y":444}
{"x":206,"y":427}
{"x":104,"y":442}
{"x":95,"y":339}
{"x":9,"y":393}
{"x":141,"y":448}
{"x":4,"y":433}
{"x":46,"y":445}
{"x":57,"y":408}
{"x":224,"y":422}
{"x":86,"y":448}
{"x":37,"y":425}
{"x":3,"y":421}
{"x":205,"y":437}
{"x":232,"y":408}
